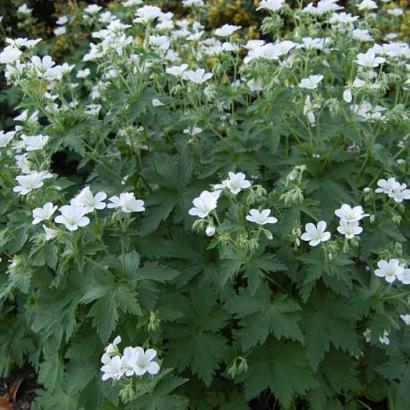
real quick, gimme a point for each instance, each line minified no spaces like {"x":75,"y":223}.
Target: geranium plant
{"x":193,"y":220}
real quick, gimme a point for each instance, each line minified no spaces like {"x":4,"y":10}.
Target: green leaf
{"x":263,"y":314}
{"x":256,"y":269}
{"x":158,"y":273}
{"x":282,"y":367}
{"x":105,"y":316}
{"x":323,"y":325}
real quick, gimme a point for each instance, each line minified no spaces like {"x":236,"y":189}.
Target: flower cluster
{"x":134,"y":361}
{"x":74,"y":215}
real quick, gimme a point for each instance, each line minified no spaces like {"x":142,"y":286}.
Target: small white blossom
{"x":197,"y":76}
{"x":349,"y":229}
{"x":33,"y":180}
{"x":315,"y":234}
{"x":177,"y":71}
{"x":367,"y":5}
{"x":261,"y":217}
{"x":156,"y":102}
{"x":73,"y":217}
{"x":271,"y":5}
{"x":226,"y":30}
{"x":204,"y":204}
{"x":384,"y":339}
{"x":311,"y":82}
{"x":92,"y":9}
{"x":348,"y":214}
{"x":44,"y":213}
{"x":146,"y":14}
{"x":6,"y":137}
{"x":369,"y":60}
{"x":387,"y":186}
{"x":127,"y":202}
{"x":137,"y":361}
{"x":50,"y":233}
{"x":83,"y":73}
{"x":9,"y":55}
{"x":406,"y":319}
{"x":235,"y":183}
{"x":389,"y":270}
{"x":89,"y":201}
{"x":35,"y":142}
{"x":112,"y":368}
{"x":397,"y":11}
{"x":24,"y":10}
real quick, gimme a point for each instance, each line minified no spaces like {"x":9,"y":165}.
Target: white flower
{"x":226,"y":30}
{"x":369,"y":60}
{"x":83,"y":73}
{"x":6,"y":137}
{"x":73,"y":217}
{"x":235,"y":183}
{"x":193,"y":3}
{"x":146,"y":14}
{"x":44,"y":213}
{"x":315,"y":234}
{"x":349,"y":229}
{"x":367,"y":5}
{"x":204,"y":204}
{"x":89,"y":201}
{"x":400,"y":194}
{"x":177,"y":71}
{"x":255,"y":85}
{"x":92,"y":9}
{"x":50,"y":233}
{"x":35,"y":142}
{"x":397,"y":11}
{"x":62,"y":20}
{"x":31,"y":181}
{"x":404,"y":276}
{"x":130,"y":3}
{"x":59,"y":31}
{"x":127,"y":202}
{"x":156,"y":102}
{"x":308,"y":110}
{"x":384,"y":339}
{"x":387,"y":186}
{"x":406,"y":319}
{"x":311,"y":82}
{"x":9,"y":55}
{"x":367,"y":335}
{"x":271,"y":5}
{"x":347,"y":95}
{"x":361,"y":35}
{"x":137,"y":361}
{"x":197,"y":76}
{"x":261,"y":217}
{"x":390,"y":270}
{"x":24,"y":9}
{"x":348,"y":214}
{"x":112,"y":367}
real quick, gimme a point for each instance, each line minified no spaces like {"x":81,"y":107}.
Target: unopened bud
{"x":210,"y":231}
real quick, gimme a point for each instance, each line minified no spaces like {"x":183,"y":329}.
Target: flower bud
{"x":210,"y":231}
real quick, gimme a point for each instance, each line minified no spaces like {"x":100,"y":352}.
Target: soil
{"x":19,"y":390}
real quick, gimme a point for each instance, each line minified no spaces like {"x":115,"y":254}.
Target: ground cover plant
{"x":230,"y":227}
